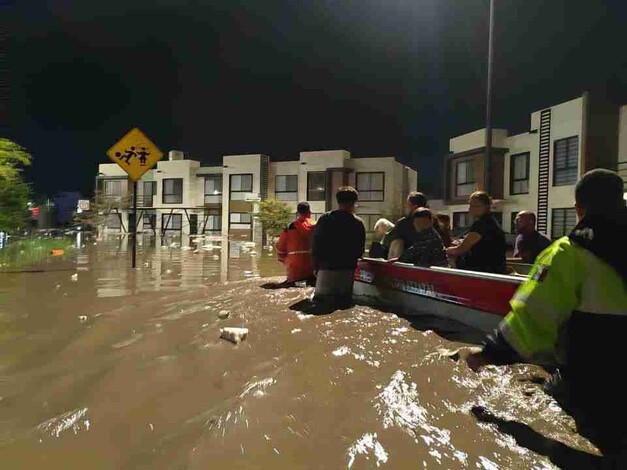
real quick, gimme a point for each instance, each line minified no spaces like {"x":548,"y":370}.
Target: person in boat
{"x":444,"y":222}
{"x":529,"y":242}
{"x":380,"y":247}
{"x":294,"y":247}
{"x":338,"y":242}
{"x":572,"y":313}
{"x":428,"y":249}
{"x":483,"y":246}
{"x":402,"y":236}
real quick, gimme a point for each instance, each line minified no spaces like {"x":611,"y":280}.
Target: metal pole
{"x":134,"y":230}
{"x":488,"y":111}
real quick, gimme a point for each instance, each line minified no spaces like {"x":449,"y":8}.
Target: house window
{"x":240,"y":220}
{"x":461,"y":222}
{"x":146,"y":191}
{"x":316,"y":186}
{"x":519,"y":174}
{"x":316,"y":216}
{"x":465,"y":178}
{"x":171,"y":222}
{"x":213,"y":188}
{"x":371,"y":186}
{"x":565,"y":159}
{"x":113,"y":221}
{"x":149,"y":221}
{"x":286,"y":187}
{"x":214,"y":224}
{"x":115,"y":188}
{"x":563,"y":221}
{"x":173,"y":190}
{"x":241,"y":186}
{"x":369,"y":220}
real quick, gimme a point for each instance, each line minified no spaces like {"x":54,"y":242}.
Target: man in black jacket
{"x":338,"y":242}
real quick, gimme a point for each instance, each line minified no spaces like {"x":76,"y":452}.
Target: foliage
{"x":14,"y":196}
{"x":12,"y":158}
{"x":14,"y":193}
{"x":28,"y":252}
{"x":274,"y":215}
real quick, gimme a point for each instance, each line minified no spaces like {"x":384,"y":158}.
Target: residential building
{"x":537,"y":170}
{"x":179,"y":196}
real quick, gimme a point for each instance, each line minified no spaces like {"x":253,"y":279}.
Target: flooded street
{"x":122,"y":369}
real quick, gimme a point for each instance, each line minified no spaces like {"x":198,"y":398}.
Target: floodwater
{"x":102,"y":367}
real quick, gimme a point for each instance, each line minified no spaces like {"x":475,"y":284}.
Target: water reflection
{"x":170,"y":264}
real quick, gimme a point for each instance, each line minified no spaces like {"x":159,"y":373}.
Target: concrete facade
{"x":182,"y":202}
{"x":581,"y":133}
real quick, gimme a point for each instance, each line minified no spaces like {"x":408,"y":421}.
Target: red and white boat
{"x":477,"y":299}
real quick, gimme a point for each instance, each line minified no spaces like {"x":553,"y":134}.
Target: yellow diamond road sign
{"x":135,"y":153}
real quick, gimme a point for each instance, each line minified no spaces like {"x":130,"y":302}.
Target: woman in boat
{"x":483,"y":247}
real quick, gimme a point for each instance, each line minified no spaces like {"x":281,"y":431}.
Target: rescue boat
{"x":477,"y":299}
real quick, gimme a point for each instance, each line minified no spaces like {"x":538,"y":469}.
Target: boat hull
{"x":476,"y":299}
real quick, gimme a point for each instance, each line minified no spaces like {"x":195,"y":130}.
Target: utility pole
{"x":488,"y":111}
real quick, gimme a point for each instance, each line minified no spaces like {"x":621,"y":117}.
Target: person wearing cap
{"x":294,"y":247}
{"x":572,"y":314}
{"x":338,"y":242}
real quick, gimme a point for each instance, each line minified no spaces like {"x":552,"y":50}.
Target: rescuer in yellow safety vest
{"x":572,"y":314}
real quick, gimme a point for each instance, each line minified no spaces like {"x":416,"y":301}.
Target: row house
{"x":537,"y":170}
{"x":182,"y":197}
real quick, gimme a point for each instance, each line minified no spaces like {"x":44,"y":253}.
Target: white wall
{"x":566,"y":121}
{"x":476,"y":139}
{"x":235,"y":165}
{"x":516,"y":202}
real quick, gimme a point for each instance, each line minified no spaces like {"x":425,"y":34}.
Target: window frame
{"x":212,"y":176}
{"x":565,"y":211}
{"x":169,"y":228}
{"x":568,"y":167}
{"x":164,"y":194}
{"x":217,"y":217}
{"x":512,"y":177}
{"x":118,"y":218}
{"x":369,"y":220}
{"x":324,"y":191}
{"x":454,"y":224}
{"x":240,"y":191}
{"x":118,"y":181}
{"x":360,"y":190}
{"x":473,"y":180}
{"x":146,"y":216}
{"x":276,"y":191}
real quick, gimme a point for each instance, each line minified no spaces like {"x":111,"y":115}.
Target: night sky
{"x":214,"y":77}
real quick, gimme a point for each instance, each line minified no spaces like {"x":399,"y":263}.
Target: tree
{"x":12,"y":158}
{"x":14,"y":193}
{"x":14,"y":196}
{"x":274,"y":216}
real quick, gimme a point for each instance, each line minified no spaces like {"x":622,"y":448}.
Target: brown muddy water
{"x":123,"y":369}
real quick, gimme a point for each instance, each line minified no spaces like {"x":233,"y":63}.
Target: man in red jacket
{"x":294,"y":247}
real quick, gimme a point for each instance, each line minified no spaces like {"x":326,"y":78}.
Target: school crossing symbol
{"x":135,"y":153}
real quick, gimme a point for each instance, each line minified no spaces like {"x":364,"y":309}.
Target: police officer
{"x":572,"y":313}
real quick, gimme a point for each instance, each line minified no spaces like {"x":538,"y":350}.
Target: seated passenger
{"x":427,"y":249}
{"x":529,"y":242}
{"x":444,"y":222}
{"x":483,"y":247}
{"x":294,"y":247}
{"x":380,"y":247}
{"x":401,"y":237}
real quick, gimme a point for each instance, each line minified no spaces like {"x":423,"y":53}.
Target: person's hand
{"x":392,"y":260}
{"x":472,"y":355}
{"x":452,"y":251}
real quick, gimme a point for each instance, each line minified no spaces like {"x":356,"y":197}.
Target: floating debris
{"x":234,"y":335}
{"x":222,"y":314}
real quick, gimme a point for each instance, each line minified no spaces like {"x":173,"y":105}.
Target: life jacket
{"x":294,"y":249}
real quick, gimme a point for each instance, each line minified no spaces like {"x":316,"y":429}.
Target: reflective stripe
{"x":297,"y":252}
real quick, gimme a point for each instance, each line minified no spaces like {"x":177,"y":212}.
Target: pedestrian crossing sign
{"x":135,"y":153}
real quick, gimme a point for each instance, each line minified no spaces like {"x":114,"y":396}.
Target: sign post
{"x":135,"y":154}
